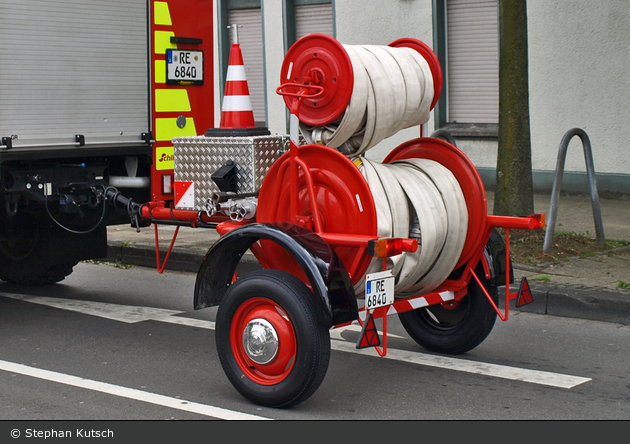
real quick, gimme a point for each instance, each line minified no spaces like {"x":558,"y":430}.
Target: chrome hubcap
{"x":260,"y":341}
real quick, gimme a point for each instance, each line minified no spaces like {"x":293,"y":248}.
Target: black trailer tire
{"x":280,"y":372}
{"x":458,"y":329}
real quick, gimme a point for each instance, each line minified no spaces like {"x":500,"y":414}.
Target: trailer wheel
{"x":454,"y":329}
{"x":271,"y":340}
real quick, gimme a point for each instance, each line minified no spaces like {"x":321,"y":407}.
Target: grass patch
{"x":526,"y":246}
{"x":116,"y":264}
{"x":541,"y":278}
{"x":622,"y":284}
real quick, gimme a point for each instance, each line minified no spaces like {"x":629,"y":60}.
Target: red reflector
{"x":539,"y":221}
{"x":369,"y":334}
{"x":524,"y":294}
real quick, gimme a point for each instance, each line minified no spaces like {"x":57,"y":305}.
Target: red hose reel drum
{"x":321,"y":60}
{"x":343,"y":199}
{"x":466,"y":174}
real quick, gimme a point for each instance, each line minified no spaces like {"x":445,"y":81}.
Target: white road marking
{"x":462,"y":365}
{"x":125,"y":392}
{"x":132,"y":314}
{"x":122,"y":313}
{"x":335,"y":333}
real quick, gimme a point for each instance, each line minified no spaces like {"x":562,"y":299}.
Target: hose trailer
{"x":409,"y":235}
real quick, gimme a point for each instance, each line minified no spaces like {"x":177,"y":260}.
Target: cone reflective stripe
{"x":236,"y":111}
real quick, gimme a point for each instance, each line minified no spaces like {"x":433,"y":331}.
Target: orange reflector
{"x":524,"y":294}
{"x":539,"y":221}
{"x":389,"y":246}
{"x":369,"y":334}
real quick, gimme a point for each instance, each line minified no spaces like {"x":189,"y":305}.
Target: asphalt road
{"x":125,"y":344}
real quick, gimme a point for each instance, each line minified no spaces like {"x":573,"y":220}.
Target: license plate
{"x":379,"y":289}
{"x":184,"y":67}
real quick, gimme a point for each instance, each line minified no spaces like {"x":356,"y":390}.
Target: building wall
{"x":579,"y":73}
{"x":579,"y":58}
{"x":579,"y":77}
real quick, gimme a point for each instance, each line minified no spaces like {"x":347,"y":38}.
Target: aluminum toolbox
{"x":197,"y":158}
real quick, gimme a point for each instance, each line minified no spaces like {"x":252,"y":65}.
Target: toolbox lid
{"x":236,"y":132}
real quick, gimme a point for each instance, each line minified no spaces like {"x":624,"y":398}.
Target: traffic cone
{"x":237,"y":115}
{"x":236,"y":111}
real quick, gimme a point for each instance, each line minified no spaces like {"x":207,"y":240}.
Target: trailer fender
{"x":494,"y":253}
{"x":328,"y":278}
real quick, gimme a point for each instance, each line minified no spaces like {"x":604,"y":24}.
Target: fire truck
{"x":106,"y":117}
{"x":86,"y":103}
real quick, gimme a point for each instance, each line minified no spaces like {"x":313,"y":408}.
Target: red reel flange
{"x":343,"y":200}
{"x":319,"y":59}
{"x":466,"y":174}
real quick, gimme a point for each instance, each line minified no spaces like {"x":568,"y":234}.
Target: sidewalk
{"x":581,"y":288}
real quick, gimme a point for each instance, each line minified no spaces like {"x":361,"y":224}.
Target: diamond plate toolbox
{"x":197,"y":158}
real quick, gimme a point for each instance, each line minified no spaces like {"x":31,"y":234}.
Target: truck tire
{"x":272,"y":343}
{"x":458,"y":329}
{"x":25,"y":258}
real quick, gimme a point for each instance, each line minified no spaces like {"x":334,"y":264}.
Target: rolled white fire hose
{"x":421,"y":199}
{"x":392,"y":90}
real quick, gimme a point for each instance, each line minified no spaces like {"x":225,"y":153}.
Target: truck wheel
{"x":24,"y":259}
{"x":454,"y":329}
{"x":272,"y":343}
{"x":30,"y":274}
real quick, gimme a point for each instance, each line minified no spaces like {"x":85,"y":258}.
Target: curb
{"x":594,"y":304}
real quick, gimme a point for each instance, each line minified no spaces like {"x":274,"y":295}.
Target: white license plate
{"x":379,"y":289}
{"x":184,"y":67}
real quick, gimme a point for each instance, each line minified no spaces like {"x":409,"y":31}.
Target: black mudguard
{"x":495,"y":254}
{"x":329,"y":280}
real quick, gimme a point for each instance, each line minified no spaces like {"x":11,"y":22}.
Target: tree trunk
{"x":514,"y":194}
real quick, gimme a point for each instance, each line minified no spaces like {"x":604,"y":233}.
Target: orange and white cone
{"x":236,"y":111}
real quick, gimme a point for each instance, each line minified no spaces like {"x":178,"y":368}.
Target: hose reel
{"x":370,"y":92}
{"x":425,"y":189}
{"x":421,"y":199}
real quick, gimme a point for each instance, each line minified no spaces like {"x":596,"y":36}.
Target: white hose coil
{"x":392,"y":90}
{"x":421,"y":199}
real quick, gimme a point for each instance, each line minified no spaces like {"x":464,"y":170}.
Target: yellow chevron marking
{"x":163,"y":41}
{"x":160,"y":71}
{"x":166,"y":129}
{"x":161,"y":16}
{"x":171,"y":100}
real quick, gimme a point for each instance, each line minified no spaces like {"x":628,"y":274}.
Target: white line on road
{"x":131,"y":314}
{"x":462,"y":365}
{"x":125,"y":392}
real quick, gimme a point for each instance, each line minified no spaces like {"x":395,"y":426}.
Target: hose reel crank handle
{"x":303,"y":93}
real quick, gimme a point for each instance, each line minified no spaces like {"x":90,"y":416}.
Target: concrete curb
{"x":549,"y":299}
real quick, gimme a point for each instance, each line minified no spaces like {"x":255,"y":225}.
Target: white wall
{"x":274,"y":55}
{"x":579,"y":59}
